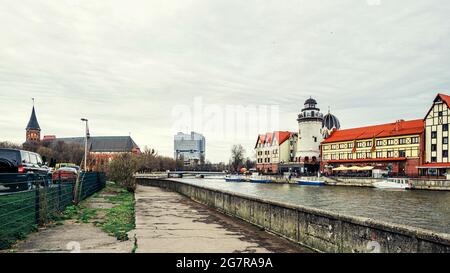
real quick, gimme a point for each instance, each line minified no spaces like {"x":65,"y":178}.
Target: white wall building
{"x":310,"y":122}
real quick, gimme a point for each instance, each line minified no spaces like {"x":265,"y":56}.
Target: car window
{"x":33,"y":159}
{"x":39,"y":159}
{"x":10,"y":155}
{"x":25,"y":157}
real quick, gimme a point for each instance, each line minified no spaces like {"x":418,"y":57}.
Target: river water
{"x":423,"y":209}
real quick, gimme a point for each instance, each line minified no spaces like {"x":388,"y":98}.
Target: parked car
{"x":65,"y":174}
{"x":19,"y":169}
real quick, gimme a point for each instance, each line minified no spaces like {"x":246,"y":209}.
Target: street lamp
{"x":85,"y":143}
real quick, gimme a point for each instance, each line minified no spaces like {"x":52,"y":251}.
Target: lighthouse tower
{"x":309,"y":134}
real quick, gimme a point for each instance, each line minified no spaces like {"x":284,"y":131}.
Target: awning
{"x":367,"y":168}
{"x":354,"y":168}
{"x":341,"y":168}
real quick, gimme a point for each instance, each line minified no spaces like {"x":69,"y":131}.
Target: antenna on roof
{"x":33,"y":101}
{"x":329,"y":109}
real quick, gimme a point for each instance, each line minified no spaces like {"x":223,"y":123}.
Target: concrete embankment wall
{"x":318,"y":229}
{"x":419,"y":184}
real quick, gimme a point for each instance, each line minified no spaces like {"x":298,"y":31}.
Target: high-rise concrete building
{"x":190,"y":148}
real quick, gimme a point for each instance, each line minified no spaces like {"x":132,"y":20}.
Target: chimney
{"x":398,"y":124}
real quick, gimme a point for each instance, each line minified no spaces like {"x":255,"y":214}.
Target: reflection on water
{"x":424,"y":209}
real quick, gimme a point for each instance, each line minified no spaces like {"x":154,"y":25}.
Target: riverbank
{"x":319,"y":229}
{"x":417,"y":183}
{"x":98,"y":224}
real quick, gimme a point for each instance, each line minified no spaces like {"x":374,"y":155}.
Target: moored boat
{"x":394,"y":183}
{"x":311,"y":183}
{"x":234,"y":178}
{"x":260,"y":179}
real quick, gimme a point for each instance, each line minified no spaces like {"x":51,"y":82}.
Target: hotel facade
{"x":414,"y":148}
{"x":394,"y":146}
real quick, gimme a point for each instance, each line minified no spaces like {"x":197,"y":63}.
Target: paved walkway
{"x":168,"y":222}
{"x":72,"y":237}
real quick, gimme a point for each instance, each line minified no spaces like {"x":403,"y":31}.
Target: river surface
{"x":423,"y":209}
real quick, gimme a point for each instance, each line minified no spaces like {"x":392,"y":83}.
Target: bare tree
{"x":237,"y":157}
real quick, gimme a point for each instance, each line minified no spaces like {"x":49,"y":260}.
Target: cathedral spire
{"x":33,"y":130}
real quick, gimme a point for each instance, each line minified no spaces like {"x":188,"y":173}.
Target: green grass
{"x":116,"y":221}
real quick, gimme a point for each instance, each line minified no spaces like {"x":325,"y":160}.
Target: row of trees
{"x":52,"y":153}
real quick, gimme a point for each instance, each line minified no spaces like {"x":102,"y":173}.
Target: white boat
{"x":234,"y":178}
{"x":394,"y":183}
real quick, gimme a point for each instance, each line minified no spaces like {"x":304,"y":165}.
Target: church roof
{"x":104,"y":144}
{"x":33,"y":124}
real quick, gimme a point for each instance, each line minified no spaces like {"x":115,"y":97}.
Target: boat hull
{"x":392,"y":186}
{"x":311,"y":183}
{"x":261,"y":181}
{"x":233,"y":180}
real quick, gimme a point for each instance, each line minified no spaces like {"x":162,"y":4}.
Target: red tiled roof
{"x":445,"y":98}
{"x":282,"y":136}
{"x":269,"y":137}
{"x":384,"y":130}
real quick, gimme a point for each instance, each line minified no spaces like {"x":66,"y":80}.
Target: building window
{"x":433,"y":147}
{"x":434,"y":134}
{"x":341,"y":156}
{"x":350,"y":145}
{"x":369,"y":155}
{"x":445,"y":127}
{"x":402,"y":141}
{"x":445,"y":140}
{"x":379,"y":154}
{"x":433,"y":159}
{"x":440,"y":114}
{"x":390,"y":142}
{"x":390,"y":154}
{"x":369,"y":144}
{"x":414,"y":140}
{"x":359,"y":144}
{"x":350,"y":156}
{"x":333,"y":157}
{"x":402,"y":153}
{"x":445,"y":153}
{"x":341,"y":146}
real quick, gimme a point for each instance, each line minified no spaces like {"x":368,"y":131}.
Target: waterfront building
{"x":393,"y":146}
{"x":310,"y":122}
{"x":190,"y":148}
{"x":437,"y":120}
{"x":273,"y":149}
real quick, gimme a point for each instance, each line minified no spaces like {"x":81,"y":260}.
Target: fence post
{"x":75,"y":191}
{"x":60,"y":207}
{"x":37,"y":199}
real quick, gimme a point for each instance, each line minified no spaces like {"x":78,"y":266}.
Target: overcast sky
{"x":126,"y":65}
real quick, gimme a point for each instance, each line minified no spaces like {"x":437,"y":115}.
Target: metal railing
{"x":27,"y":202}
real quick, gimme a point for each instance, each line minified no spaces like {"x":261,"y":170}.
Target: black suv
{"x":19,"y":169}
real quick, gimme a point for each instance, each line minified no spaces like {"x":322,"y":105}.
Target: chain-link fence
{"x":27,"y":202}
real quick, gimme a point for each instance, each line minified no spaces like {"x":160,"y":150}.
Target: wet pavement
{"x":167,"y":222}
